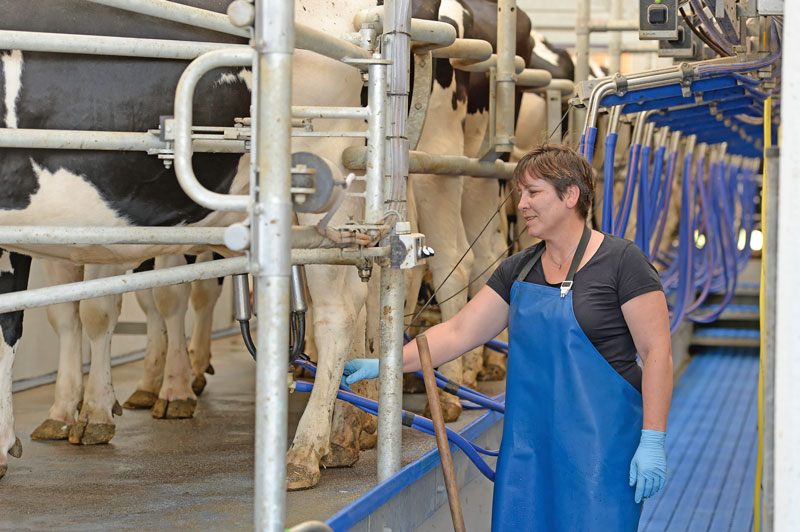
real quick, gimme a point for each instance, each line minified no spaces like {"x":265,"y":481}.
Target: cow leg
{"x":14,"y":270}
{"x":204,"y":296}
{"x":66,"y":322}
{"x":176,"y":399}
{"x":338,"y":296}
{"x":439,"y":213}
{"x":99,"y":316}
{"x":155,"y":351}
{"x":479,"y":204}
{"x":348,"y":421}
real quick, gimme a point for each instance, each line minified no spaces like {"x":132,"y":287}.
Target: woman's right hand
{"x":359,"y":369}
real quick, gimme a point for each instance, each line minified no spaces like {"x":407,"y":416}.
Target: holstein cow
{"x":65,"y":320}
{"x":99,"y":188}
{"x":436,"y":200}
{"x":126,"y":189}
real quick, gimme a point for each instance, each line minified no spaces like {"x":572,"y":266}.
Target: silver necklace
{"x":568,"y":257}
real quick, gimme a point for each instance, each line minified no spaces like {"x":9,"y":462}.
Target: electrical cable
{"x":430,"y":299}
{"x":703,"y":37}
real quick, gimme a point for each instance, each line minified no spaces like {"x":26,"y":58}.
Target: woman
{"x":584,"y":429}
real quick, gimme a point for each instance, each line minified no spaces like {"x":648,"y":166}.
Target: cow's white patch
{"x":12,"y":81}
{"x":63,"y":198}
{"x":5,"y":263}
{"x":243,"y":76}
{"x":454,"y":11}
{"x":541,"y":49}
{"x":597,"y":70}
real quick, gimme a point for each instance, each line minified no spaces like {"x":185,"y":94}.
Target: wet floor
{"x":168,"y":474}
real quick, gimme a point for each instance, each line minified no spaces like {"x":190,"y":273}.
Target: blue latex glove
{"x":649,"y":465}
{"x":359,"y":369}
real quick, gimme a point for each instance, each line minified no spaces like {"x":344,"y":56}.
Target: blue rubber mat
{"x":711,"y":447}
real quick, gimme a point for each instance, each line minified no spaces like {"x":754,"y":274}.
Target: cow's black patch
{"x":484,"y":16}
{"x":146,"y":266}
{"x":11,"y":322}
{"x":565,"y":68}
{"x":65,"y":91}
{"x":3,"y":108}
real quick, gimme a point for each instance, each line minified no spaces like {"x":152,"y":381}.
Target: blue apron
{"x":572,"y":423}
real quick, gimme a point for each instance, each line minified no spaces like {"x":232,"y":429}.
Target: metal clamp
{"x":688,"y":74}
{"x":620,"y":84}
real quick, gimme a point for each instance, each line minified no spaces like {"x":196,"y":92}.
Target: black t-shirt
{"x":617,"y":273}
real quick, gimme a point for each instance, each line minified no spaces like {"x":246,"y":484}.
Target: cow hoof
{"x":300,"y":478}
{"x":116,"y":409}
{"x":141,"y":399}
{"x":51,"y":429}
{"x":367,"y":440}
{"x":470,"y":380}
{"x":175,"y":409}
{"x":3,"y":470}
{"x":450,"y":411}
{"x":210,"y":369}
{"x":16,"y":449}
{"x":340,"y":456}
{"x":199,"y":384}
{"x":83,"y":433}
{"x":492,"y":372}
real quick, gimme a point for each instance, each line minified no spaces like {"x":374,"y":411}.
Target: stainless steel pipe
{"x":476,"y":49}
{"x":65,"y":139}
{"x":62,"y":43}
{"x":505,"y":80}
{"x":397,"y":48}
{"x":302,"y":236}
{"x":184,"y":97}
{"x":376,"y":143}
{"x":421,"y":31}
{"x":120,"y":284}
{"x":354,"y":158}
{"x":271,"y":223}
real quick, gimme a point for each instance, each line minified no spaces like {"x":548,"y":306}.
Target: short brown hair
{"x":562,"y":167}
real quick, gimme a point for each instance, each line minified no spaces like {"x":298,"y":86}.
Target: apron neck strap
{"x":566,"y":286}
{"x":576,"y":260}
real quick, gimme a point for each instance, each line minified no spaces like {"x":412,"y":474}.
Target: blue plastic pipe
{"x":608,"y":184}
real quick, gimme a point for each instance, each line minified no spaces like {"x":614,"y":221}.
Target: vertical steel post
{"x":581,"y":64}
{"x":787,"y":333}
{"x":390,"y":384}
{"x":769,"y":256}
{"x":615,"y":39}
{"x":506,"y":74}
{"x":376,"y":143}
{"x":271,"y":254}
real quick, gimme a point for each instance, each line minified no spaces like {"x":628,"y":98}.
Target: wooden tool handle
{"x":441,"y":433}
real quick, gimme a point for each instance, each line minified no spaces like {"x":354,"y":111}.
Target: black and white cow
{"x":58,"y":91}
{"x":100,"y":188}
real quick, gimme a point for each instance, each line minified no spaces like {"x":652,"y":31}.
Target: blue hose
{"x":642,"y":212}
{"x":663,"y":202}
{"x":608,"y":184}
{"x":624,"y":213}
{"x":684,"y":250}
{"x":591,"y":136}
{"x":418,"y":422}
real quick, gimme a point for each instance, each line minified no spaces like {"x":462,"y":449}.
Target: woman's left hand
{"x":649,"y":465}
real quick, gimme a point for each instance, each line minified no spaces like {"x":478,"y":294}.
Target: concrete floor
{"x":169,"y":474}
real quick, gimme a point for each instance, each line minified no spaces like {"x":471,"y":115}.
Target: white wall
{"x":38,"y":351}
